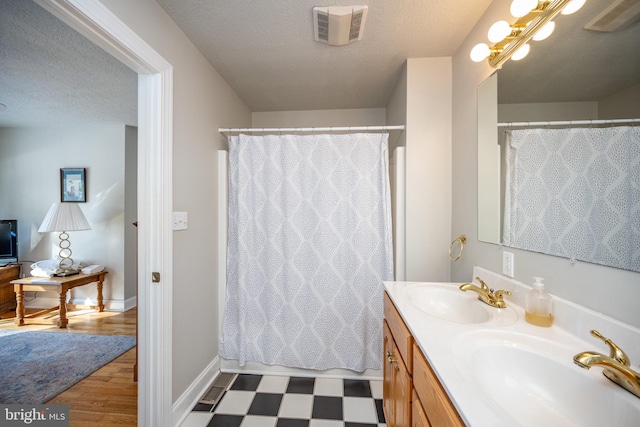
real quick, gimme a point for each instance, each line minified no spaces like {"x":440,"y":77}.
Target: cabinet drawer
{"x":400,"y":333}
{"x":436,"y":403}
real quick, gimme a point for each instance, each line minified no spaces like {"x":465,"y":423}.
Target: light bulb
{"x":520,"y":8}
{"x":545,"y":31}
{"x":499,"y":31}
{"x":479,"y":52}
{"x":521,"y":53}
{"x":572,"y":7}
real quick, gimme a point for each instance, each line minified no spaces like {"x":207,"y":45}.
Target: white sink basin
{"x":534,"y":381}
{"x":448,"y":302}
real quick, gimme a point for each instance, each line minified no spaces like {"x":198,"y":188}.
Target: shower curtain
{"x":309,"y":247}
{"x":575,"y":193}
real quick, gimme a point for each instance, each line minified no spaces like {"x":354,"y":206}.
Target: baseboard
{"x":185,"y":403}
{"x":130,"y":303}
{"x":109,"y":305}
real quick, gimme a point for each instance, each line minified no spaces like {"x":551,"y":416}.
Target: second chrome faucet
{"x":485,"y":294}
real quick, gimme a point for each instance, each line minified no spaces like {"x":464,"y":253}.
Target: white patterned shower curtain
{"x":575,"y":193}
{"x":309,"y":248}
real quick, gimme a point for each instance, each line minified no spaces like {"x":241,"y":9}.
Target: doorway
{"x":155,"y":102}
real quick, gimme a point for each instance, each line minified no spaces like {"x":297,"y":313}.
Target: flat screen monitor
{"x":8,"y":240}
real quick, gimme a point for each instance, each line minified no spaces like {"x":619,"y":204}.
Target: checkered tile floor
{"x":281,"y":401}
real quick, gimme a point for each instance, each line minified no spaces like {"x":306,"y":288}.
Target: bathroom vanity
{"x":411,"y":389}
{"x":452,"y":360}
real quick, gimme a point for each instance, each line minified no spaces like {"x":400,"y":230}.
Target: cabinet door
{"x":402,"y":386}
{"x":396,"y":385}
{"x":401,"y":335}
{"x":418,"y":417}
{"x":387,"y":384}
{"x":438,"y":408}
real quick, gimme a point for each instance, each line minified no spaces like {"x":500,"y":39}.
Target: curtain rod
{"x":568,"y":123}
{"x":313,"y":129}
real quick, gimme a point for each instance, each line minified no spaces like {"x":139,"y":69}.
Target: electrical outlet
{"x":180,"y":220}
{"x":507,"y":264}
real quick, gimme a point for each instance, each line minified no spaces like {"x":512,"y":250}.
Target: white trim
{"x":155,"y":245}
{"x":109,"y":305}
{"x":398,"y":192}
{"x":223,"y":221}
{"x":129,"y":303}
{"x":155,"y":250}
{"x":185,"y":403}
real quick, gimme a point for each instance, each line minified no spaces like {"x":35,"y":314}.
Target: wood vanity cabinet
{"x":431,"y":396}
{"x":417,"y":412}
{"x":397,"y":386}
{"x":412,"y":395}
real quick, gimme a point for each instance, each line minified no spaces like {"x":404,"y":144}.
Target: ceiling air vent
{"x":339,"y":25}
{"x":616,"y":16}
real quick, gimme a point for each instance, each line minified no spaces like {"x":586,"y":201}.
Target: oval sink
{"x":448,"y":302}
{"x":535,"y":382}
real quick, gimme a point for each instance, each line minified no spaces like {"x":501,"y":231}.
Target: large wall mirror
{"x":558,"y":172}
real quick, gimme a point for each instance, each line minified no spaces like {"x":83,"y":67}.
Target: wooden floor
{"x":109,"y":396}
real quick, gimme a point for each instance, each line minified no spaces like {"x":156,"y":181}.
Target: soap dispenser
{"x":539,"y":305}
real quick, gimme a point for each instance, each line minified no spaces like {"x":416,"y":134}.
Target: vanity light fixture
{"x":534,"y":23}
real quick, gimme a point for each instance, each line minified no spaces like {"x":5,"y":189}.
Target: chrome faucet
{"x":486,"y":295}
{"x":616,"y":366}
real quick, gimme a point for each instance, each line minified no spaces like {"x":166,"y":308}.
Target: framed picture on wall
{"x":73,"y":186}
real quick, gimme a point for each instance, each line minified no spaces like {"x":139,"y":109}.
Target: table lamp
{"x":64,"y":217}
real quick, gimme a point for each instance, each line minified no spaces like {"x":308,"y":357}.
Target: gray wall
{"x":30,"y":162}
{"x":202,"y":103}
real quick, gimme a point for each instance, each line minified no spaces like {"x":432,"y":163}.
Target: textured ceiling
{"x":51,"y":75}
{"x":266,"y":52}
{"x":264,"y":49}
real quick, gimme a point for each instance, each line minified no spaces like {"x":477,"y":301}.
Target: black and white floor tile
{"x":282,"y":401}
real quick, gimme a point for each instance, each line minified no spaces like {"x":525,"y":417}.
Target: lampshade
{"x":64,"y":217}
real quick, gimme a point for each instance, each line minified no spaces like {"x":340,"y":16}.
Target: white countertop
{"x":447,"y":346}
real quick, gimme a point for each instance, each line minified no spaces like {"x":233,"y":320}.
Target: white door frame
{"x":155,"y":239}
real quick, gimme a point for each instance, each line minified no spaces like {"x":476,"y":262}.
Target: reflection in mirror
{"x":569,"y":189}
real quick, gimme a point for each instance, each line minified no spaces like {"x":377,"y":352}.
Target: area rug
{"x":36,"y":366}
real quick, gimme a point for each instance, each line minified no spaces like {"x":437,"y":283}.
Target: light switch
{"x":180,"y":221}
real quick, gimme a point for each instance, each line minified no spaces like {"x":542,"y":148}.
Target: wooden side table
{"x":58,"y":284}
{"x":7,"y":295}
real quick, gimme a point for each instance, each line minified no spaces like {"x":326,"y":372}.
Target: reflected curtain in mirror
{"x":575,"y":193}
